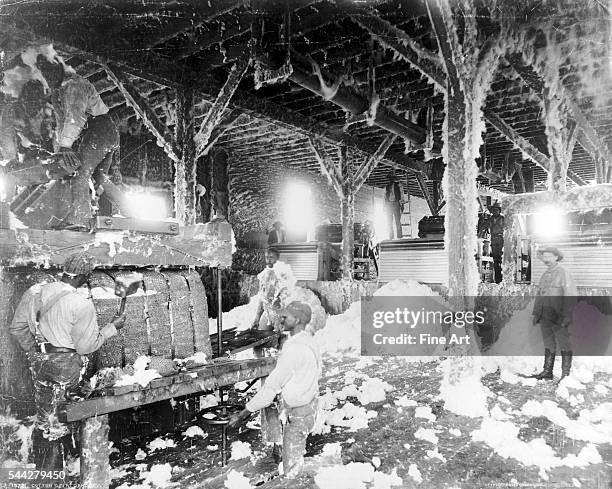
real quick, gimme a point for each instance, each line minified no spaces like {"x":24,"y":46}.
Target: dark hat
{"x":551,"y":249}
{"x":496,"y":205}
{"x":79,"y":264}
{"x":299,"y":310}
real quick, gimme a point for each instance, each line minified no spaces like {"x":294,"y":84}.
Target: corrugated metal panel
{"x":589,"y":264}
{"x":407,"y":261}
{"x":303,"y":263}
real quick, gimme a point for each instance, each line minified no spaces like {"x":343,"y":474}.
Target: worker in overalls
{"x":296,"y":377}
{"x":56,"y":326}
{"x":553,"y":311}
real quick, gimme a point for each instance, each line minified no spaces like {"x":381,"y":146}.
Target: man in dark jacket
{"x":394,"y":204}
{"x":277,"y":235}
{"x":56,"y":326}
{"x":496,"y":227}
{"x":553,"y":312}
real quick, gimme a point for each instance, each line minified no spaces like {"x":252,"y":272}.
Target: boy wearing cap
{"x":553,"y":312}
{"x":296,"y":377}
{"x":55,"y":325}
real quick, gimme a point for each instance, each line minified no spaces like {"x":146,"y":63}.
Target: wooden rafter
{"x":328,"y":168}
{"x":433,"y":208}
{"x":165,"y":74}
{"x":526,"y":147}
{"x":142,"y":109}
{"x":354,"y":102}
{"x":226,"y":123}
{"x":200,"y":42}
{"x":208,"y":11}
{"x":368,"y":166}
{"x":221,"y":102}
{"x":586,"y":134}
{"x":424,"y":61}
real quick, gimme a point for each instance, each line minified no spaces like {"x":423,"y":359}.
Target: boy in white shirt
{"x":296,"y":377}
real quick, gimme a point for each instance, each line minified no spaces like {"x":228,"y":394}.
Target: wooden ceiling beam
{"x":356,"y":104}
{"x":588,"y":137}
{"x":197,"y":43}
{"x":525,"y":146}
{"x":208,"y":11}
{"x":367,"y":167}
{"x":249,"y":104}
{"x":425,"y":61}
{"x":142,"y":110}
{"x":213,"y":117}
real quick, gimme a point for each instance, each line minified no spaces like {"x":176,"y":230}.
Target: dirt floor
{"x":391,"y":437}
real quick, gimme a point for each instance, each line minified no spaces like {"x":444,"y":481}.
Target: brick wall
{"x":256,"y":199}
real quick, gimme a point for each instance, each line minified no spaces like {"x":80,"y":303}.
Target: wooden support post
{"x":185,"y":169}
{"x":326,"y":166}
{"x":221,"y":102}
{"x":95,"y":468}
{"x":459,"y":182}
{"x":348,"y":215}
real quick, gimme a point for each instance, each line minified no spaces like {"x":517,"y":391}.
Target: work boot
{"x":549,"y":363}
{"x":566,"y":363}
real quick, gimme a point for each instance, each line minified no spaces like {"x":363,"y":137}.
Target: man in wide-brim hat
{"x":553,"y":311}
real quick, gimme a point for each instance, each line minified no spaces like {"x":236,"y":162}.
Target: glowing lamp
{"x":298,"y":215}
{"x":548,"y":221}
{"x":380,"y":220}
{"x":147,"y":206}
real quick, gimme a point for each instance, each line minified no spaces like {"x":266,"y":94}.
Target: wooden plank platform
{"x":203,"y":379}
{"x":200,"y":245}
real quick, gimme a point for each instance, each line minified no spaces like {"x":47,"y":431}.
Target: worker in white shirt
{"x":56,"y":327}
{"x":296,"y":378}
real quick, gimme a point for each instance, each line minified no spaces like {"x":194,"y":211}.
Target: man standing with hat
{"x":296,"y":377}
{"x":553,"y":312}
{"x":56,"y":326}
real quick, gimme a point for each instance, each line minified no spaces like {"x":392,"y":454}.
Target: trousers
{"x":293,"y":427}
{"x":394,"y":213}
{"x":54,"y":374}
{"x":556,"y":337}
